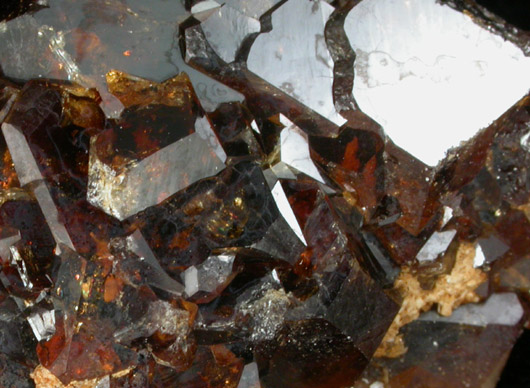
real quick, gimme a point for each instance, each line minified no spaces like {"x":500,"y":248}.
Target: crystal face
{"x":407,"y":50}
{"x":207,"y":194}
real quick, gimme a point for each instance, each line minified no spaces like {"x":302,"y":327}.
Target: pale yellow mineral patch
{"x":449,"y":292}
{"x":43,"y":378}
{"x":525,"y":209}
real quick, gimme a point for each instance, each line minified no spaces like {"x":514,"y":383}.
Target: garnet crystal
{"x":192,"y":194}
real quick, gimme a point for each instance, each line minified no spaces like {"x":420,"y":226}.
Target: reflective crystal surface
{"x":447,"y":57}
{"x":225,"y":193}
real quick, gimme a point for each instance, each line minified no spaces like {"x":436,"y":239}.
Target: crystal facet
{"x":193,"y":194}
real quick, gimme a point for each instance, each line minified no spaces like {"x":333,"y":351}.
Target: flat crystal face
{"x":81,"y":41}
{"x":206,"y":193}
{"x":429,"y":75}
{"x":294,"y":57}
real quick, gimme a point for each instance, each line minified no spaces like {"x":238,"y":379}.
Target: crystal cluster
{"x":152,"y":235}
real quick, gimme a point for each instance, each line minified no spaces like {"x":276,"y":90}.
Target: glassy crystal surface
{"x":82,"y":41}
{"x":219,"y":194}
{"x":408,"y":50}
{"x":308,"y":58}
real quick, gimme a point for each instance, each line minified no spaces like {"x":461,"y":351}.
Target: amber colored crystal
{"x":156,"y":115}
{"x":354,"y":160}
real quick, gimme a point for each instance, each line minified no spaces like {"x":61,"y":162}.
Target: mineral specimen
{"x":207,"y":194}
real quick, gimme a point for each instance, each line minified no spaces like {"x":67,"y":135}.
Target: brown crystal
{"x":171,"y":232}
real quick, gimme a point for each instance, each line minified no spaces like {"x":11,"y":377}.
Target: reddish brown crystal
{"x":182,"y":245}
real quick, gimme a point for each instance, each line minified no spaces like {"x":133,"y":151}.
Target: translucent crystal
{"x":209,"y":275}
{"x":159,"y":230}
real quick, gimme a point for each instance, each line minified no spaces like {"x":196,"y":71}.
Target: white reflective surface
{"x":295,"y":149}
{"x":435,"y":245}
{"x":429,"y":75}
{"x":294,"y":56}
{"x":499,"y":309}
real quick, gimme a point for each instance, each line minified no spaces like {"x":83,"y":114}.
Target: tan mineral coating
{"x":449,"y":292}
{"x":45,"y":379}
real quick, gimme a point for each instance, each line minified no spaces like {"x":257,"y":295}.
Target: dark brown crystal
{"x":157,"y":231}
